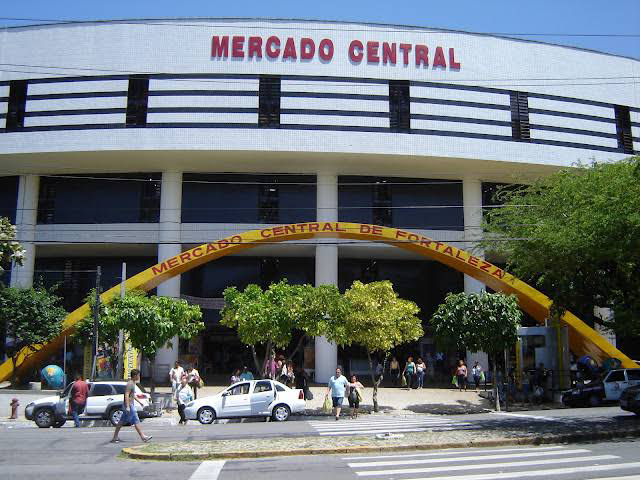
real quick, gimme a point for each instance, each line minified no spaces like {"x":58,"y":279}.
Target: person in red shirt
{"x":78,"y":398}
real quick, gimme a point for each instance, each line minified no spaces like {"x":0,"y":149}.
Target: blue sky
{"x":568,"y":17}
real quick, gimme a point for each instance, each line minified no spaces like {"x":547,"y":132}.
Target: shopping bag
{"x":481,"y":377}
{"x":358,"y":395}
{"x":403,"y":381}
{"x":454,"y":381}
{"x":327,"y":406}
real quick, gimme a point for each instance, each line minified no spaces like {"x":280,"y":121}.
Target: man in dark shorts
{"x":129,"y":414}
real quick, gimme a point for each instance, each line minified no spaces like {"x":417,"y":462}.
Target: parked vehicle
{"x":105,"y":402}
{"x":608,"y":389}
{"x":630,"y":399}
{"x":253,"y":398}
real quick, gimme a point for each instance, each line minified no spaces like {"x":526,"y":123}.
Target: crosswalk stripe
{"x":628,"y":477}
{"x":414,"y":424}
{"x":534,"y":473}
{"x":456,"y":452}
{"x":449,"y":468}
{"x":465,"y":459}
{"x":385,"y":422}
{"x":389,"y":425}
{"x":208,"y":470}
{"x":387,"y":430}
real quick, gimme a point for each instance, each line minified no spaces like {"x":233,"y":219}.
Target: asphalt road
{"x":86,"y":452}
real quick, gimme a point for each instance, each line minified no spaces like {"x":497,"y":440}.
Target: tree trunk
{"x":14,"y":373}
{"x":153,"y":382}
{"x":495,"y":382}
{"x":376,"y":383}
{"x":267,"y":356}
{"x":255,"y":361}
{"x":295,"y":350}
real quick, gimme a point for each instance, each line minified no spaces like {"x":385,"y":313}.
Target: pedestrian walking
{"x":461,"y":375}
{"x":421,"y":370}
{"x":78,"y":398}
{"x":129,"y":414}
{"x":184,"y":395}
{"x":235,"y":378}
{"x":355,"y":395}
{"x":394,"y":370}
{"x":477,"y":373}
{"x":246,"y":374}
{"x":337,"y":385}
{"x":194,"y":380}
{"x":175,"y":374}
{"x":409,"y":371}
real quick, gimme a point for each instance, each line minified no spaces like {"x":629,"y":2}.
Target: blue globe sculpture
{"x":53,"y":375}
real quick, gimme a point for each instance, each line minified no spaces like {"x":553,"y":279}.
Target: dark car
{"x":588,"y":395}
{"x":630,"y":400}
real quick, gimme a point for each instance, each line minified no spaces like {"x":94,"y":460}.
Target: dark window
{"x":520,"y":116}
{"x":17,"y":104}
{"x":382,"y":212}
{"x":280,"y":388}
{"x":633,"y":375}
{"x":262,"y":386}
{"x":9,"y":197}
{"x":268,"y":202}
{"x":137,"y":101}
{"x":269,"y":101}
{"x":120,"y":389}
{"x":616,"y":376}
{"x":100,"y":389}
{"x":240,"y":389}
{"x":399,"y":106}
{"x":132,"y":198}
{"x":623,"y":129}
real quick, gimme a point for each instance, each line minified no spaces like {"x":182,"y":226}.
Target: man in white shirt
{"x":175,"y":374}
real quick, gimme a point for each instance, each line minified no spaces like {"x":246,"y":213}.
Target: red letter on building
{"x":372,"y":52}
{"x":453,"y":65}
{"x":220,"y":47}
{"x":422,"y":55}
{"x":325,"y":49}
{"x":237,"y":46}
{"x":289,"y":49}
{"x":272,"y":52}
{"x":438,"y":58}
{"x":389,"y":53}
{"x":255,"y":47}
{"x":406,"y":48}
{"x":354,"y":56}
{"x":307,"y":49}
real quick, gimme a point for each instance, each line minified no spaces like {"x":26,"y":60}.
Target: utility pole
{"x":121,"y":360}
{"x":96,"y":319}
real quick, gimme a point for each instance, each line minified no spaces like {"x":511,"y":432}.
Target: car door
{"x":236,"y":401}
{"x":262,"y":396}
{"x":633,"y":377}
{"x":614,"y":383}
{"x":100,"y":396}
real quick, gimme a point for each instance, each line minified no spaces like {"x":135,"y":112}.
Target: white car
{"x":252,"y":398}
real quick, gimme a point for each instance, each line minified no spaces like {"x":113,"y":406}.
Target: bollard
{"x":14,"y":408}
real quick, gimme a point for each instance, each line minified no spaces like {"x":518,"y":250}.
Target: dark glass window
{"x":17,"y":105}
{"x":402,"y":202}
{"x":9,"y":197}
{"x":131,"y":198}
{"x":137,"y":101}
{"x":269,"y":101}
{"x":616,"y":376}
{"x":237,"y":198}
{"x":399,"y":106}
{"x":100,"y":389}
{"x":262,"y":386}
{"x":623,"y":129}
{"x":520,"y":116}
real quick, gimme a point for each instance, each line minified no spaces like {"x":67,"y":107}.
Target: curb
{"x":134,"y":453}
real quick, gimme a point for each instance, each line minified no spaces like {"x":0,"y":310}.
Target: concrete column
{"x":26,"y":220}
{"x":472,"y":203}
{"x":169,"y":235}
{"x":326,"y":353}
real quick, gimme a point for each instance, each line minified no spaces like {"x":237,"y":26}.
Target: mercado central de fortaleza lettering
{"x":242,"y":47}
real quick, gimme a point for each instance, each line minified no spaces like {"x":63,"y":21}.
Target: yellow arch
{"x":583,"y":339}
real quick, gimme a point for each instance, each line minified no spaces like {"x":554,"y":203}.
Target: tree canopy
{"x":10,"y":249}
{"x":575,"y":235}
{"x":29,"y":317}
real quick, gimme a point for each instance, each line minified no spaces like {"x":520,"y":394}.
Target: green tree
{"x":151,"y":322}
{"x":30,"y":317}
{"x":575,"y":235}
{"x":10,"y":250}
{"x":269,"y":317}
{"x":477,"y":322}
{"x":378,"y":320}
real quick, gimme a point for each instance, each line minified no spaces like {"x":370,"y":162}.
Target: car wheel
{"x":206,"y":415}
{"x":594,"y":401}
{"x":115,"y":415}
{"x":281,"y":413}
{"x":59,"y":423}
{"x":44,"y":418}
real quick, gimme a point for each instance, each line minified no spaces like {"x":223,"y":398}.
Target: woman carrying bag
{"x":355,"y":395}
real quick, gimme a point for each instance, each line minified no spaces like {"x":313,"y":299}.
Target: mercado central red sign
{"x":307,"y":49}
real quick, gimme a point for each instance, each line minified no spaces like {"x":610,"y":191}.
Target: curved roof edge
{"x":139,"y":21}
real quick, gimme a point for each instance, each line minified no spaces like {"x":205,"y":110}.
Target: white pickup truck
{"x":608,"y":389}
